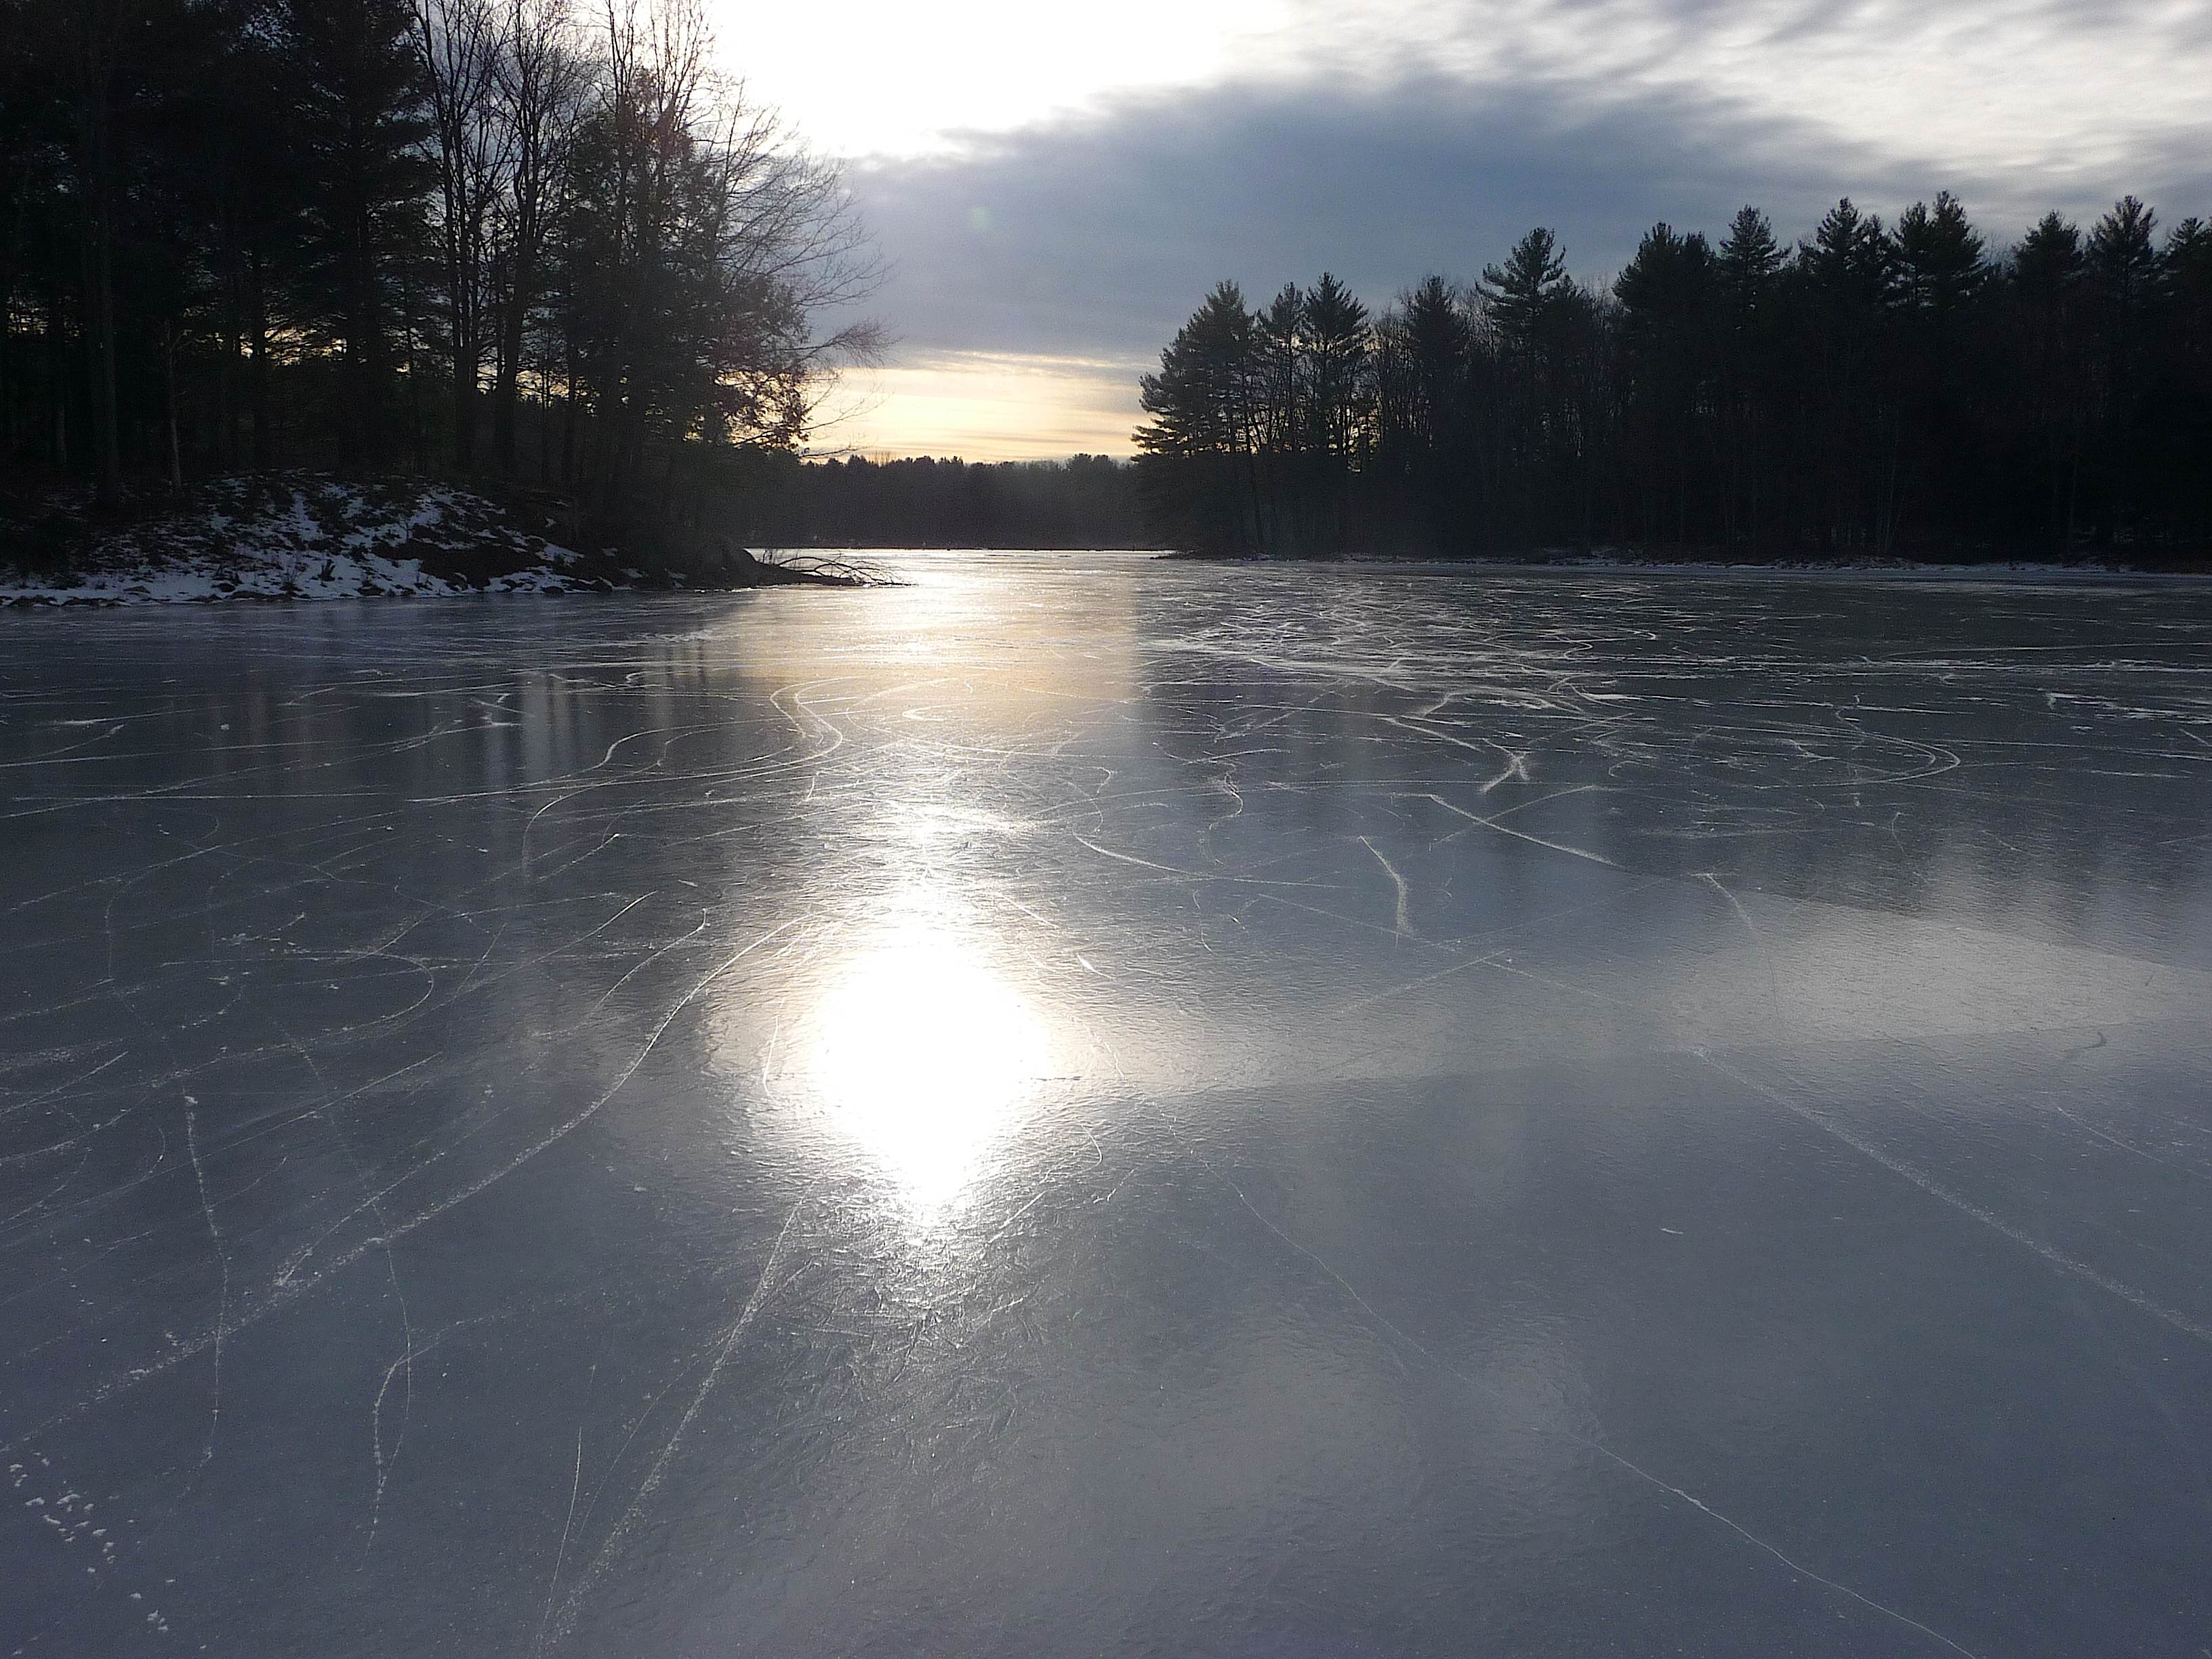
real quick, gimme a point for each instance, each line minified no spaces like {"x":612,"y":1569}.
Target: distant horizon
{"x":953,"y":458}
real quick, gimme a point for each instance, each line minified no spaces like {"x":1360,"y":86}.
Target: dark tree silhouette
{"x":325,"y":233}
{"x":1875,"y":391}
{"x":1089,"y":502}
{"x":1205,"y":426}
{"x":357,"y":114}
{"x":1668,"y":297}
{"x":1527,"y":289}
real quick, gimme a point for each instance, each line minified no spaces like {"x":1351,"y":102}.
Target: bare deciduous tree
{"x":462,"y":43}
{"x":702,"y":242}
{"x":542,"y":80}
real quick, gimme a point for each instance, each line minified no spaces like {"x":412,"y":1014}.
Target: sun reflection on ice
{"x":924,"y":1052}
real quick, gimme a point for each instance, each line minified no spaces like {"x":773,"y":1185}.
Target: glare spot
{"x":925,"y":1054}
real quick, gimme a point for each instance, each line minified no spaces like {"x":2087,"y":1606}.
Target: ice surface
{"x":1092,"y":1106}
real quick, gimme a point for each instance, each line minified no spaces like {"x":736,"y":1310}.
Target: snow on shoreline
{"x":304,"y":536}
{"x":298,"y":537}
{"x":340,"y":576}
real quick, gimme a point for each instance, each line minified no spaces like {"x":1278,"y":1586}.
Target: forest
{"x":1085,"y":501}
{"x":539,"y":243}
{"x":1878,"y":389}
{"x":502,"y":239}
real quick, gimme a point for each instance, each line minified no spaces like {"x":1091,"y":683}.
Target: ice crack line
{"x":575,"y":1489}
{"x":287,"y":1276}
{"x":291,"y":1283}
{"x":223,"y":1256}
{"x":1699,"y":1503}
{"x":1599,"y":1447}
{"x":619,"y":1535}
{"x":1965,"y":1206}
{"x":1404,"y":919}
{"x":405,"y":1362}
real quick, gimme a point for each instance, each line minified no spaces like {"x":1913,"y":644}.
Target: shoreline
{"x":298,"y":536}
{"x":1993,"y":570}
{"x":162,"y":578}
{"x":132,"y":591}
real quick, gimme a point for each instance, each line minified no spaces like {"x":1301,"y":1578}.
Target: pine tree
{"x":1524,"y":293}
{"x":2050,"y":359}
{"x":1338,"y":341}
{"x":1846,"y":277}
{"x":1942,"y":271}
{"x":1749,"y":263}
{"x":1279,"y":380}
{"x":1668,"y":297}
{"x":2123,"y":255}
{"x":357,"y":110}
{"x":1199,"y":444}
{"x":1201,"y":399}
{"x":1941,"y":261}
{"x":2187,"y":269}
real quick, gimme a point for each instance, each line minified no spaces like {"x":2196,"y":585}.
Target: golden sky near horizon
{"x":983,"y":406}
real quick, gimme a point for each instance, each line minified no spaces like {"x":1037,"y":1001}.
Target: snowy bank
{"x":293,"y":536}
{"x":300,"y":536}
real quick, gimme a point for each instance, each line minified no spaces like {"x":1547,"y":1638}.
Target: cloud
{"x":2047,"y":83}
{"x":1090,"y":236}
{"x":1097,"y":236}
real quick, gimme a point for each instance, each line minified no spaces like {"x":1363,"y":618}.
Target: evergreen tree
{"x":358,"y":117}
{"x":1941,"y":262}
{"x":1523,"y":295}
{"x":1337,"y":341}
{"x":1200,"y":443}
{"x":1878,"y":389}
{"x":1423,"y":356}
{"x":1941,"y":270}
{"x":2123,"y":255}
{"x":1749,"y":263}
{"x":2179,"y":425}
{"x":1668,"y":297}
{"x":2051,"y":365}
{"x":1846,"y":280}
{"x":1278,"y":379}
{"x":1433,"y":337}
{"x":1751,"y":393}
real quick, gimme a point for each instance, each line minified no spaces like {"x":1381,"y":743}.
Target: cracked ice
{"x":1084,"y":1104}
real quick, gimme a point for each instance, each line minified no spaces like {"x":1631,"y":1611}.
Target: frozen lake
{"x":1089,"y":1106}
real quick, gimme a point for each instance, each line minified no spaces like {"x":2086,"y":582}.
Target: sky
{"x":1054,"y":187}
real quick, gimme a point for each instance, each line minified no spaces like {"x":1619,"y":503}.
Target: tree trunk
{"x":258,"y":383}
{"x":507,"y":393}
{"x":169,"y":402}
{"x":95,"y":120}
{"x":58,"y":377}
{"x":568,"y":420}
{"x":465,"y":408}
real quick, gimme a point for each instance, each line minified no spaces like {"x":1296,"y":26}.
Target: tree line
{"x":502,"y":237}
{"x":1877,"y":389}
{"x":1086,"y":502}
